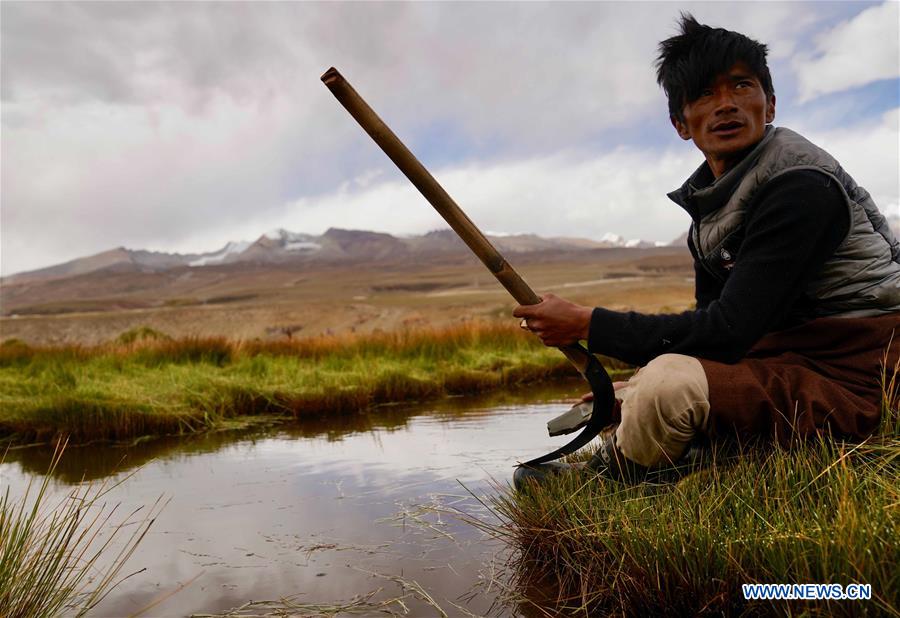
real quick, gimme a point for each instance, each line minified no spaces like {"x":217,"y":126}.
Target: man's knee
{"x":664,"y":405}
{"x":667,"y":385}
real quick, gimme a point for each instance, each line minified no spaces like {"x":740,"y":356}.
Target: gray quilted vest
{"x":862,"y":277}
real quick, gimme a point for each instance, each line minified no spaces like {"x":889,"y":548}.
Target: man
{"x":797,"y":280}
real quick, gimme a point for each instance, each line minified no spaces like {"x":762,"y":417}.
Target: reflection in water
{"x":329,"y":509}
{"x":94,"y":461}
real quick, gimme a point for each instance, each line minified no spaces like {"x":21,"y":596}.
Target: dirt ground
{"x":336,"y":301}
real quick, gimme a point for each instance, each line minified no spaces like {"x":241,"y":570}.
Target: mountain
{"x":335,"y":246}
{"x":681,"y":241}
{"x":275,"y":246}
{"x":119,"y":259}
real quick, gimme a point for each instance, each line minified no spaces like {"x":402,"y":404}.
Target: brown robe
{"x":825,"y":374}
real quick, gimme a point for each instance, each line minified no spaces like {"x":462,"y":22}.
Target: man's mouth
{"x":725,"y":127}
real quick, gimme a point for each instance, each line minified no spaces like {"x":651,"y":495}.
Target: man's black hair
{"x":691,"y":61}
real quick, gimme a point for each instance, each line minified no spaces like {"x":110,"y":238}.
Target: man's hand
{"x":555,"y":320}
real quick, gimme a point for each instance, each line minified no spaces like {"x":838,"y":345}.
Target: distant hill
{"x":335,"y":245}
{"x":278,"y":260}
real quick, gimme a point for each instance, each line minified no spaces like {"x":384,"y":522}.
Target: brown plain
{"x":266,"y":302}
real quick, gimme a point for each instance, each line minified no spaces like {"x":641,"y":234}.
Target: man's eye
{"x":706,"y":93}
{"x":745,"y":84}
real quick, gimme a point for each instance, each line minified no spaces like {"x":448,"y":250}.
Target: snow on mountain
{"x":302,"y":245}
{"x":232,"y":248}
{"x":286,"y":237}
{"x":613,"y":239}
{"x":290,"y":241}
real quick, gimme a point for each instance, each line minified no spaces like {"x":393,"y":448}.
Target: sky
{"x":179,"y":127}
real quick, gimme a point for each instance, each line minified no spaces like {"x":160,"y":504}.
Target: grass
{"x":821,"y":512}
{"x":145,"y":383}
{"x":50,"y":555}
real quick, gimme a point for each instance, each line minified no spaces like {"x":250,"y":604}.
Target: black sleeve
{"x":792,"y":228}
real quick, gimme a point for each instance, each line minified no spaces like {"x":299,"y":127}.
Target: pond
{"x":328,"y":511}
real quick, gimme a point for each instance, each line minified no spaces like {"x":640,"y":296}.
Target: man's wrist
{"x":587,"y":312}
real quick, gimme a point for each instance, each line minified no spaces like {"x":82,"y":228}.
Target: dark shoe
{"x":609,"y":461}
{"x":535,"y":475}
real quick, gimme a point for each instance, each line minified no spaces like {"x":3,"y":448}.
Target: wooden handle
{"x":429,"y":187}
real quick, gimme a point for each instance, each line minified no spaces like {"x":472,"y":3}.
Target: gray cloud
{"x":490,"y":67}
{"x":840,"y":60}
{"x":166,"y":125}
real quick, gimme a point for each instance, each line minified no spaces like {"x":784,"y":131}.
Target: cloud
{"x":182,"y":125}
{"x":870,"y":153}
{"x":856,"y":52}
{"x":539,"y":74}
{"x":570,"y":193}
{"x":99,"y":177}
{"x":622,"y":191}
{"x":558,"y":195}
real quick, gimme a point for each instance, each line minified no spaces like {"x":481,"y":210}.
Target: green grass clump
{"x":141,"y":333}
{"x":823,"y":511}
{"x":148,"y":384}
{"x":63,"y":557}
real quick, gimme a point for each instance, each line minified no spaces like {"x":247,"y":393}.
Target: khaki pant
{"x":664,"y":405}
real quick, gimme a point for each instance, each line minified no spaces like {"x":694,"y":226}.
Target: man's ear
{"x":770,"y":110}
{"x":680,"y":127}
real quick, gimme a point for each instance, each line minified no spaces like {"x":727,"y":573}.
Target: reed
{"x":65,"y":556}
{"x":148,"y":384}
{"x":821,"y":512}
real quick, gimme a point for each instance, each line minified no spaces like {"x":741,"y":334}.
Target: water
{"x":325,"y":511}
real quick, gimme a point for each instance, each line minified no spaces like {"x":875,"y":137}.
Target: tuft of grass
{"x":14,"y":352}
{"x":144,"y":385}
{"x":821,"y":512}
{"x":67,"y":556}
{"x":216,"y":351}
{"x":890,"y":396}
{"x":141,"y":333}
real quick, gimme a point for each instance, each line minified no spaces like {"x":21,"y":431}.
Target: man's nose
{"x":724,"y":100}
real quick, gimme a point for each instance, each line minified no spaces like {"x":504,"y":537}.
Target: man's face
{"x":728,"y":117}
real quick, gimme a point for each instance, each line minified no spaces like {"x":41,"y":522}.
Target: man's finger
{"x":526,"y":311}
{"x":523,"y":311}
{"x":548,"y":339}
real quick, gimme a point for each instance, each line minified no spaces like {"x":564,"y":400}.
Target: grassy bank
{"x":147,"y":384}
{"x":823,"y":512}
